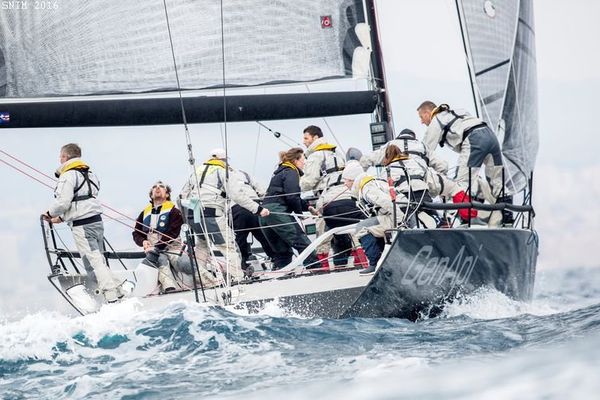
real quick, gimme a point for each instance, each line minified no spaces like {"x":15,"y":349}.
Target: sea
{"x":484,"y":346}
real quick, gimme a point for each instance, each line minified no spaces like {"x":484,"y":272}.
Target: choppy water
{"x":483,"y":347}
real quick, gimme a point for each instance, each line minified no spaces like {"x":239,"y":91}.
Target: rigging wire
{"x":228,"y":220}
{"x":188,"y":139}
{"x":256,"y":151}
{"x":328,"y":126}
{"x":278,"y":135}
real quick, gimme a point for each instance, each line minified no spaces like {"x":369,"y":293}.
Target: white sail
{"x":500,"y":39}
{"x":110,"y":46}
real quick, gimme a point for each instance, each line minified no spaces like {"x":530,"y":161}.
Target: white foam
{"x":487,"y":303}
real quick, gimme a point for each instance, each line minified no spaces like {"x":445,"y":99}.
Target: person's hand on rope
{"x":264,"y":212}
{"x":313,"y":210}
{"x":147,"y":246}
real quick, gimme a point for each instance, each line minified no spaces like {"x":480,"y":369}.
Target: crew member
{"x":475,"y":142}
{"x":246,"y":222}
{"x":323,"y":176}
{"x":157,"y":230}
{"x":77,"y":204}
{"x":374,"y":197}
{"x":209,"y":188}
{"x":283,"y":198}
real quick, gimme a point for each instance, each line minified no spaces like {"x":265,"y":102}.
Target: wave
{"x":185,"y":348}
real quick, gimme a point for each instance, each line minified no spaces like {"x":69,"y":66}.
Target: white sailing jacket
{"x":455,"y":123}
{"x":323,"y":172}
{"x":214,"y":190}
{"x":74,"y":198}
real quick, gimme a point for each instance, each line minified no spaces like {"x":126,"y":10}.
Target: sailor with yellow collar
{"x":373,"y":196}
{"x":157,"y":230}
{"x":323,"y":176}
{"x":211,"y":185}
{"x":75,"y":202}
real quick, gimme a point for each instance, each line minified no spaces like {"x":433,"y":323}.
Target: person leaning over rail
{"x":476,"y":144}
{"x":157,"y":230}
{"x":283,"y":198}
{"x":76,"y":203}
{"x":373,"y":196}
{"x":323,"y":176}
{"x":426,"y":170}
{"x":209,"y":214}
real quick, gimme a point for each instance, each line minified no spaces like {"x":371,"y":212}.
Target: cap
{"x":218,"y":153}
{"x":352,"y":170}
{"x":406,"y":133}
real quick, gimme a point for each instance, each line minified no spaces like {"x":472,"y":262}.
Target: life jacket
{"x":405,"y":141}
{"x":212,"y":166}
{"x":84,"y":170}
{"x":447,"y":127}
{"x":336,"y":164}
{"x":161,"y":223}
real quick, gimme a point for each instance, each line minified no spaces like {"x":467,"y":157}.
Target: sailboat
{"x":163,"y":64}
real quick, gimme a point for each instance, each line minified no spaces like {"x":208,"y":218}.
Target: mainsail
{"x":501,"y":43}
{"x":61,"y":60}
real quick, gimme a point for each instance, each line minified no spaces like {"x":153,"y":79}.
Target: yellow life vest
{"x":325,"y":146}
{"x":364,"y":181}
{"x":77,"y":164}
{"x":162,"y":223}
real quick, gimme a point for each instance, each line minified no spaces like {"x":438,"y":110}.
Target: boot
{"x":165,"y":277}
{"x":324,"y":259}
{"x":360,"y":258}
{"x":367,"y":271}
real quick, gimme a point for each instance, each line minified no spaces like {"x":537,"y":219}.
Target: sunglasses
{"x":160,"y":185}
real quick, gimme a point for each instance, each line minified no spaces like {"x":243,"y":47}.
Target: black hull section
{"x":426,"y":268}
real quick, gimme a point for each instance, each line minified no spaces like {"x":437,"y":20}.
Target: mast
{"x":467,"y":59}
{"x":383,"y":110}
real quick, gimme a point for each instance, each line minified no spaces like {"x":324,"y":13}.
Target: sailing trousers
{"x":89,"y":240}
{"x":348,"y":213}
{"x":285,"y":234}
{"x":373,"y":248}
{"x":226,"y":246}
{"x":244,"y":223}
{"x":479,"y":148}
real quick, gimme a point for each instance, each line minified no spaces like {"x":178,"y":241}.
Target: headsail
{"x":501,"y":42}
{"x":79,"y":50}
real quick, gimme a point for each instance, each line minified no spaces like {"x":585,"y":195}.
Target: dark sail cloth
{"x":281,"y":229}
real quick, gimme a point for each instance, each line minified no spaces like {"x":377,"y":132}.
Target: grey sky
{"x":423,"y":59}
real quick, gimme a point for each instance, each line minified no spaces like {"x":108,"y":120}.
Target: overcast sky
{"x":423,"y":59}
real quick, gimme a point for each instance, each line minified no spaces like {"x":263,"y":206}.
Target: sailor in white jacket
{"x":475,"y":142}
{"x":323,"y":176}
{"x":215,"y":188}
{"x":375,"y":199}
{"x":76,"y":203}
